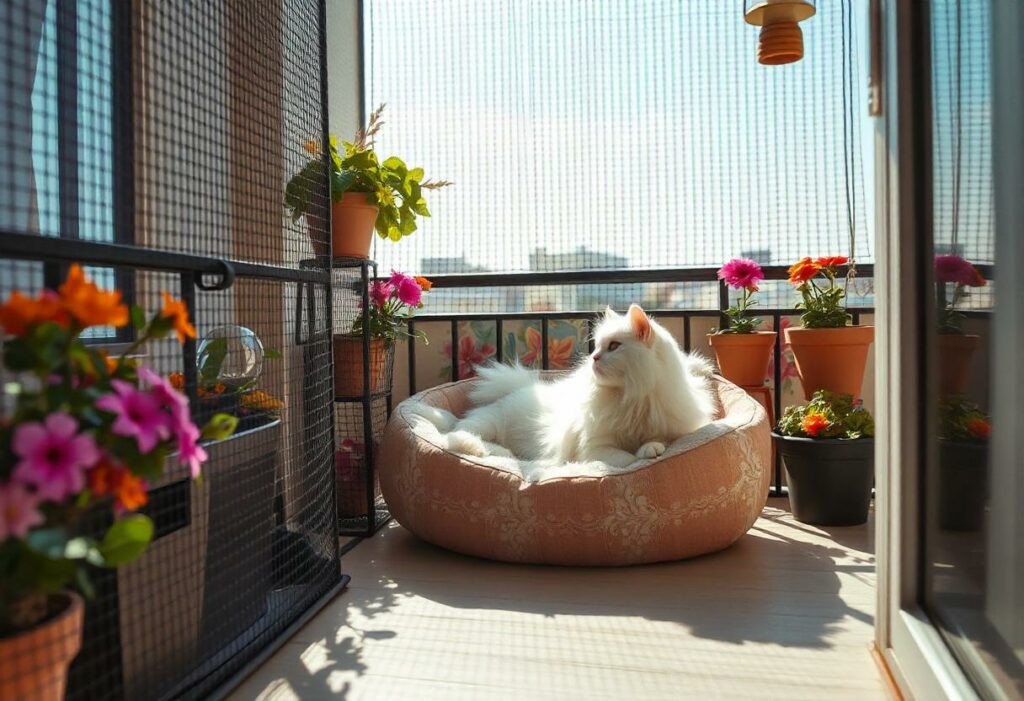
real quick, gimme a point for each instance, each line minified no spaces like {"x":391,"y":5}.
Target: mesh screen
{"x":171,"y":128}
{"x":619,"y":134}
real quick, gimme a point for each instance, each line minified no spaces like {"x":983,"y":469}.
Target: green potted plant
{"x":392,"y":303}
{"x":87,"y":431}
{"x":742,"y":352}
{"x":829,"y":353}
{"x":954,"y":276}
{"x":827,"y":447}
{"x":366,"y":193}
{"x":963,"y":464}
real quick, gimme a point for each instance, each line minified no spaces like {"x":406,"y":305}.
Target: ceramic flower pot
{"x":963,"y":485}
{"x":348,"y":366}
{"x":829,"y":480}
{"x":35,"y":662}
{"x":954,"y":355}
{"x":743,"y":357}
{"x":831,"y":359}
{"x":352,"y":222}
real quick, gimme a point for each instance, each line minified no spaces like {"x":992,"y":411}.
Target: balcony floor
{"x":787,"y":612}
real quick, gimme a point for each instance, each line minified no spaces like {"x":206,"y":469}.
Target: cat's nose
{"x":596,"y":357}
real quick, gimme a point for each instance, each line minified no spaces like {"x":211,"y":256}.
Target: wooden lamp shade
{"x":781,"y":40}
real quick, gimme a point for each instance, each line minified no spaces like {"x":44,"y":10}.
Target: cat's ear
{"x":641,"y":324}
{"x":610,"y":314}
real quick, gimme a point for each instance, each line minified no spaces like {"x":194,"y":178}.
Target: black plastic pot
{"x":829,"y":480}
{"x":963,"y":485}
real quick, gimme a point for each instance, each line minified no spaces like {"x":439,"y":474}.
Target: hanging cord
{"x":958,"y":136}
{"x":848,"y":140}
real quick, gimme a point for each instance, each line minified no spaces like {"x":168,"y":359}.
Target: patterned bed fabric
{"x":701,"y":496}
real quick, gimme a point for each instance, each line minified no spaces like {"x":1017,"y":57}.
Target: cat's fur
{"x":625,"y":402}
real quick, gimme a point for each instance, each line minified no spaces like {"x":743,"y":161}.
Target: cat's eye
{"x":613,"y":345}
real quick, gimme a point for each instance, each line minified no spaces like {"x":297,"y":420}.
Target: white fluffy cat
{"x":634,"y":395}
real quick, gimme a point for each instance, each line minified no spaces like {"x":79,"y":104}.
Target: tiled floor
{"x":785,"y":613}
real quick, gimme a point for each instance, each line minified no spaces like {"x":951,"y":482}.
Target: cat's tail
{"x":497,"y":381}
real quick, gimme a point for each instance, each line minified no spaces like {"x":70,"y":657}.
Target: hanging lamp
{"x":781,"y":40}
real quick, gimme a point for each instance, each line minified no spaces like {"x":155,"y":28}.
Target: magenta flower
{"x":139,"y":415}
{"x":741,"y":274}
{"x":164,"y":392}
{"x":54,"y":456}
{"x":410,"y":292}
{"x":951,"y":268}
{"x":190,"y":453}
{"x":381,"y":292}
{"x":19,"y":511}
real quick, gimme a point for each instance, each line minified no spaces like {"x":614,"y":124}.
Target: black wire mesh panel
{"x":152,"y":143}
{"x":363,"y":382}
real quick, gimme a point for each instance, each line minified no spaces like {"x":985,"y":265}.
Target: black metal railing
{"x":612,"y":277}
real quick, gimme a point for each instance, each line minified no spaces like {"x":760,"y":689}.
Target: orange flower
{"x":90,"y":305}
{"x":979,"y":279}
{"x":212,"y":392}
{"x":312,"y":146}
{"x":176,"y":310}
{"x":177,"y":381}
{"x":814,"y":424}
{"x":803,"y":270}
{"x":979,"y":428}
{"x":831,"y":261}
{"x":128,"y":490}
{"x":19,"y":313}
{"x":424,"y":284}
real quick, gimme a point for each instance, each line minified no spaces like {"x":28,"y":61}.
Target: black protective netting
{"x":172,"y":127}
{"x":620,"y":135}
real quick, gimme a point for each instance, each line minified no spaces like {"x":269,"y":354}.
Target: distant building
{"x":581,"y":259}
{"x":444,"y":265}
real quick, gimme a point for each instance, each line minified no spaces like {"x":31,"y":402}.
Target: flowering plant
{"x":955,"y":271}
{"x":823,"y":304}
{"x":86,"y":429}
{"x":828,"y":415}
{"x":741,"y":274}
{"x":394,"y":188}
{"x":392,"y":302}
{"x":961,"y":420}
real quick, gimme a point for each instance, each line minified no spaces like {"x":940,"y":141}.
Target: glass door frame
{"x":907,"y":640}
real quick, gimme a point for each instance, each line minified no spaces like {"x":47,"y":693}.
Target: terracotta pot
{"x":743,"y":357}
{"x":348,"y":365}
{"x":954,"y":355}
{"x":352,"y":221}
{"x":35,"y":662}
{"x":832,"y":359}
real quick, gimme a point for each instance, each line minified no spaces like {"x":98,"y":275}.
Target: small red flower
{"x":802,"y":271}
{"x":831,"y":262}
{"x":979,"y":428}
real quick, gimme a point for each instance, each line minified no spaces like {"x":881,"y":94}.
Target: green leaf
{"x":138,"y":317}
{"x":271,"y":354}
{"x":214,"y":353}
{"x":219,"y":427}
{"x":84,"y":583}
{"x":126,"y":540}
{"x":397,"y":165}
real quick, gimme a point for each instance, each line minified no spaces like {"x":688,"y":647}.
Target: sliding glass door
{"x":952,"y":545}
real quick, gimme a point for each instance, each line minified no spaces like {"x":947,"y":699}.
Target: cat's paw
{"x":465,"y":443}
{"x":651,"y":450}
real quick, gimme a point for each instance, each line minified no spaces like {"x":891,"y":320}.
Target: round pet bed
{"x":700,"y":496}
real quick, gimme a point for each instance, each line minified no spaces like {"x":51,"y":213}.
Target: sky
{"x":645,"y":129}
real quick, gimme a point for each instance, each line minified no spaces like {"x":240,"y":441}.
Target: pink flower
{"x":19,"y":511}
{"x":410,"y":292}
{"x":139,"y":415}
{"x":190,"y":453}
{"x":164,"y":392}
{"x":381,"y":292}
{"x":954,"y":269}
{"x":53,"y":455}
{"x":741,"y":273}
{"x":347,"y":460}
